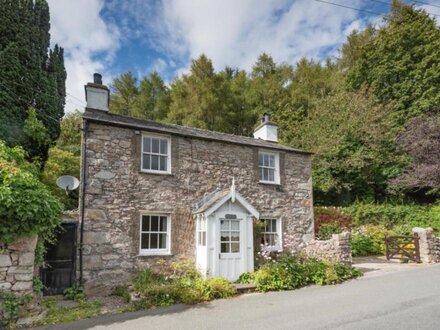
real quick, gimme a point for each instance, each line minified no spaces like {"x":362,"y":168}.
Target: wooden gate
{"x":403,"y":247}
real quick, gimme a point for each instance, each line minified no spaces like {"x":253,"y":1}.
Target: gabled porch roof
{"x":220,"y":198}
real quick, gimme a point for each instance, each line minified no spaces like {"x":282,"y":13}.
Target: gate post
{"x":417,"y":247}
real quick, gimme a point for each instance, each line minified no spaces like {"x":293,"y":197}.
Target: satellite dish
{"x":67,"y":183}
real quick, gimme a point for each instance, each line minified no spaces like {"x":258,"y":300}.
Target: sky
{"x":114,"y":36}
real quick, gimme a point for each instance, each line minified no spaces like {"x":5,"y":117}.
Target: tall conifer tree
{"x":30,"y":75}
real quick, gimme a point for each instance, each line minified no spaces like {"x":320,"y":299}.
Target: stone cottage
{"x":155,"y":191}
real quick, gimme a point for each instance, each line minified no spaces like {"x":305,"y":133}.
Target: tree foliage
{"x":26,"y":205}
{"x":30,"y":75}
{"x":421,"y":139}
{"x":64,"y":159}
{"x":399,"y":62}
{"x":354,"y":150}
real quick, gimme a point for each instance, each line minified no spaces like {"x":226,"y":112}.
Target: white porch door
{"x":232,"y":241}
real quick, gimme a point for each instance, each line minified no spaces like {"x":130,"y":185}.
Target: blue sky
{"x":113,"y":36}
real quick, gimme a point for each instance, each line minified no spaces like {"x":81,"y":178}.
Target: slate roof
{"x":112,"y":119}
{"x":211,"y":200}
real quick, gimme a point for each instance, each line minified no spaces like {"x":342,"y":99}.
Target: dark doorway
{"x":59,"y":268}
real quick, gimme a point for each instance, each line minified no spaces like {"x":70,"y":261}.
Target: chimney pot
{"x":97,"y":79}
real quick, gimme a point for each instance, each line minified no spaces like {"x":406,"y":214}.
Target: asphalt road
{"x":407,"y":299}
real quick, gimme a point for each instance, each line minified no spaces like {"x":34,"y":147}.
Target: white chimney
{"x":97,"y":94}
{"x":267,"y":130}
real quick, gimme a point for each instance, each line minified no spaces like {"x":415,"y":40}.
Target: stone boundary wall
{"x":17,"y":265}
{"x":336,"y":249}
{"x":429,"y":245}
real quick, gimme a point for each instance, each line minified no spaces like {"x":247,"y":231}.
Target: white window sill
{"x":155,"y":172}
{"x":152,"y":254}
{"x":270,"y":182}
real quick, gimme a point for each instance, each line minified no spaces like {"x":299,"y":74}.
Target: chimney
{"x":267,"y":130}
{"x":97,"y":94}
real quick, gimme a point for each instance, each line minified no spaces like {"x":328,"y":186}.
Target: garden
{"x":370,"y":223}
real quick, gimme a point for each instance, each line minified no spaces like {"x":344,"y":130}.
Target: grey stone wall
{"x":17,"y":265}
{"x":117,"y":192}
{"x":428,"y":245}
{"x":336,"y":249}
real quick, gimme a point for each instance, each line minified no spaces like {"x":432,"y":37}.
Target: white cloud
{"x":89,"y":43}
{"x":234,"y":32}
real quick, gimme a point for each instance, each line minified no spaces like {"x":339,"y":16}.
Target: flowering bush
{"x":289,"y":272}
{"x":330,"y":220}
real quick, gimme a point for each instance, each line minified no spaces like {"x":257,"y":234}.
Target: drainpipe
{"x":82,"y":202}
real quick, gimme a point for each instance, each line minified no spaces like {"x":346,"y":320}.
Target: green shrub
{"x":26,"y":205}
{"x":185,"y":286}
{"x":11,"y":304}
{"x":326,"y":230}
{"x":361,"y":245}
{"x":75,"y":292}
{"x":391,"y":215}
{"x":291,"y":273}
{"x":246,"y":278}
{"x":216,"y":288}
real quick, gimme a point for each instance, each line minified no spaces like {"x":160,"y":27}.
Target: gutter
{"x":82,"y":200}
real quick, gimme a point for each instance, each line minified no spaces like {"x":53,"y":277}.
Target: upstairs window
{"x":268,"y":166}
{"x":156,"y":156}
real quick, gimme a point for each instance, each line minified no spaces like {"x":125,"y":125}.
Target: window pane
{"x":235,"y":236}
{"x":155,"y":146}
{"x":204,"y":238}
{"x":154,"y":223}
{"x":164,"y":147}
{"x":261,"y":174}
{"x":274,"y":226}
{"x":145,"y":241}
{"x":145,"y":223}
{"x":147,"y":144}
{"x":235,"y":247}
{"x":154,"y":244}
{"x":224,"y":224}
{"x":224,"y":248}
{"x":224,"y":237}
{"x":146,"y":162}
{"x":260,"y":159}
{"x":265,"y":174}
{"x":271,"y":175}
{"x":162,"y":241}
{"x":163,"y":224}
{"x":163,"y":163}
{"x":266,"y":160}
{"x":155,"y":162}
{"x":235,"y":225}
{"x":272,"y":160}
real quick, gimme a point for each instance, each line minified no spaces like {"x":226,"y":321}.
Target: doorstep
{"x":243,"y":288}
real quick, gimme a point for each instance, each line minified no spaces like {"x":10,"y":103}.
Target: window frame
{"x":279,"y":243}
{"x":153,"y":252}
{"x":160,"y":137}
{"x":276,"y":168}
{"x":230,"y":232}
{"x":201,"y":231}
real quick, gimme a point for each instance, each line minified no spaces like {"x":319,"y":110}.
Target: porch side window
{"x":156,"y":156}
{"x":201,"y":232}
{"x":155,"y":234}
{"x":268,"y":166}
{"x":271,"y":233}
